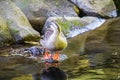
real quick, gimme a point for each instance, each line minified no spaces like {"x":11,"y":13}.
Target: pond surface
{"x":77,"y":67}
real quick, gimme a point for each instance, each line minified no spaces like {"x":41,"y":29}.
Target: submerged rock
{"x":103,"y":42}
{"x":104,"y":38}
{"x":98,"y":44}
{"x":113,"y":32}
{"x":16,"y":23}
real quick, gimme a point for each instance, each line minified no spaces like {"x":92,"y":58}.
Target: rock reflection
{"x":52,"y":73}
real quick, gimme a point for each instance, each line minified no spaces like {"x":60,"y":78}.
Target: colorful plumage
{"x":53,"y":40}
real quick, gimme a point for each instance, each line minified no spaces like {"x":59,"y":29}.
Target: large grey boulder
{"x":102,"y":7}
{"x":37,"y":11}
{"x":45,"y":8}
{"x":16,"y":23}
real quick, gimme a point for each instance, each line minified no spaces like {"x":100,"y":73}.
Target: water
{"x":95,"y":66}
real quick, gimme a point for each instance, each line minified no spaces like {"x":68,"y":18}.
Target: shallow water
{"x":101,"y":66}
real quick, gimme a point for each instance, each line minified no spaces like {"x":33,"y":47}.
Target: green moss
{"x":65,"y":25}
{"x":77,"y":23}
{"x":31,"y":37}
{"x":14,"y":31}
{"x":23,"y":77}
{"x":68,"y":25}
{"x":5,"y":35}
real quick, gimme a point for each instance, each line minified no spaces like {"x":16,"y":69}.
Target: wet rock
{"x":113,"y":32}
{"x":98,"y":44}
{"x":101,"y":7}
{"x":38,"y":10}
{"x":17,"y":23}
{"x":105,"y":37}
{"x":103,"y":41}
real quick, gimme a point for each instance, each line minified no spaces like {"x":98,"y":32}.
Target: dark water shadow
{"x":52,"y":73}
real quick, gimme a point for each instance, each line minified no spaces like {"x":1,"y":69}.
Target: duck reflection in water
{"x":51,"y":73}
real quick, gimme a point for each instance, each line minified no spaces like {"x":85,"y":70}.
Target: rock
{"x":38,"y":10}
{"x":48,"y":8}
{"x":102,"y":7}
{"x":117,"y":4}
{"x":104,"y":38}
{"x":103,"y":42}
{"x":17,"y":23}
{"x":38,"y":23}
{"x":72,"y":26}
{"x":113,"y":32}
{"x":98,"y":45}
{"x":5,"y":36}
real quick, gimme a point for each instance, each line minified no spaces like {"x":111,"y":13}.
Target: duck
{"x":53,"y":41}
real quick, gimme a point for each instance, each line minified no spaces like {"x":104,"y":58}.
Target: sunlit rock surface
{"x":102,"y":7}
{"x":72,"y":26}
{"x":16,"y":22}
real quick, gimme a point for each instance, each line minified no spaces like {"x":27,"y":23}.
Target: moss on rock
{"x":5,"y":35}
{"x":17,"y":23}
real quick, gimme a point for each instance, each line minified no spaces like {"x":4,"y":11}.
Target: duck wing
{"x":46,"y":36}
